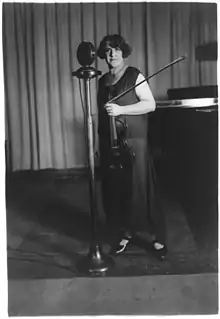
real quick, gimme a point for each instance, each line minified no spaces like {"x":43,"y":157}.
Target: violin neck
{"x":113,"y":132}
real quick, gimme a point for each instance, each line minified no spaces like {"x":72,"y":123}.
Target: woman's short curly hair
{"x":115,"y":41}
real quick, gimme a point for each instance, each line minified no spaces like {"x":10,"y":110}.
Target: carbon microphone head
{"x":86,"y":53}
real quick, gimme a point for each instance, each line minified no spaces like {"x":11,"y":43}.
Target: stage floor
{"x":49,"y":231}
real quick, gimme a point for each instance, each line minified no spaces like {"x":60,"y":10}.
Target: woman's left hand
{"x":113,"y":109}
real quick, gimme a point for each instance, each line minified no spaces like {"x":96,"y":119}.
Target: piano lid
{"x":200,"y":103}
{"x":205,"y":91}
{"x":198,"y":97}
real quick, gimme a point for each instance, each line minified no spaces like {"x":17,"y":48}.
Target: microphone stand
{"x":95,"y":263}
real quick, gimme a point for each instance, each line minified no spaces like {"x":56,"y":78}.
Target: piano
{"x":188,"y":126}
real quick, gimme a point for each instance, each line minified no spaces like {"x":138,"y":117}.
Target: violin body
{"x":121,"y":153}
{"x":121,"y":159}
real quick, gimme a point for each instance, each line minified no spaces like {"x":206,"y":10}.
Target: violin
{"x":122,"y":154}
{"x":122,"y":157}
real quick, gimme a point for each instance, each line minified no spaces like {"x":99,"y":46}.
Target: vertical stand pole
{"x":90,"y":156}
{"x":96,"y":262}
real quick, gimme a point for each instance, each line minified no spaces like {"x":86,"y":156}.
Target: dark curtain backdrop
{"x":44,"y":116}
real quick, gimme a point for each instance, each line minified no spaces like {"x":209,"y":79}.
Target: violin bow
{"x":149,"y":77}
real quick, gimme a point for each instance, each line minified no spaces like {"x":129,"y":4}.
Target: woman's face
{"x":113,"y":56}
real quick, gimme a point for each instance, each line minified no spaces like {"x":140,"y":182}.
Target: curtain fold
{"x":44,"y":114}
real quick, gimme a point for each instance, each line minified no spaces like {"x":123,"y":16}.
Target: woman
{"x":130,"y":109}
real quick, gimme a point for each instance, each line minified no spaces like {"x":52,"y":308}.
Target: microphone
{"x":86,"y":55}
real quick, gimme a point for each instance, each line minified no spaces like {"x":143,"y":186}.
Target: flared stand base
{"x":95,"y":263}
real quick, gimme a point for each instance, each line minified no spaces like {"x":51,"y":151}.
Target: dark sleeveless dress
{"x":136,"y":208}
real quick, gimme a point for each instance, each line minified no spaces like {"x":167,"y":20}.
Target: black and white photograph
{"x":110,"y":158}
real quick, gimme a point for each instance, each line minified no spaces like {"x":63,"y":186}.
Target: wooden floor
{"x":49,"y":233}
